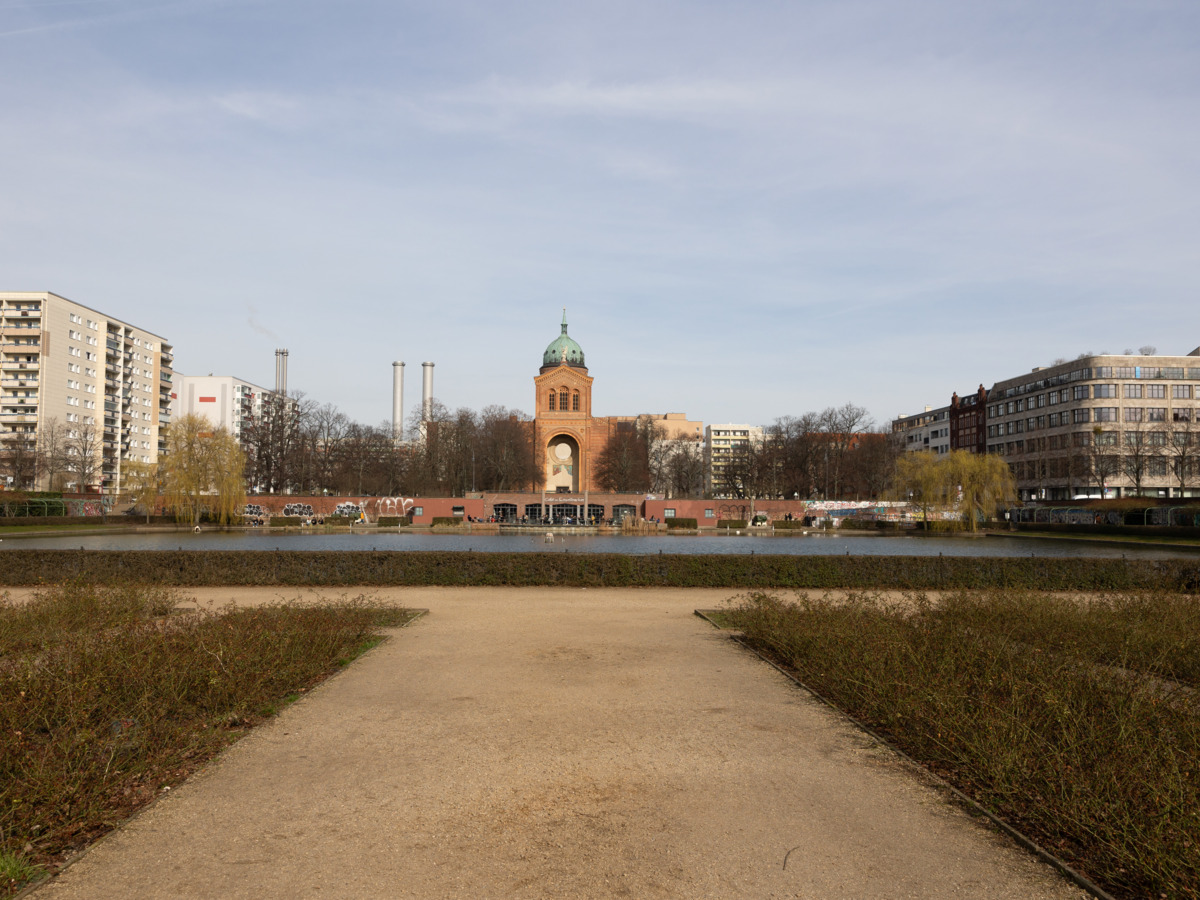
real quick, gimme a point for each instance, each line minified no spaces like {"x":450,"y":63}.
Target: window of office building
{"x":1134,"y":414}
{"x":1156,"y":414}
{"x":1133,"y":392}
{"x":1081,"y":392}
{"x":1105,"y":391}
{"x":1156,"y":391}
{"x":1080,"y":415}
{"x":1181,"y":391}
{"x":1105,"y":413}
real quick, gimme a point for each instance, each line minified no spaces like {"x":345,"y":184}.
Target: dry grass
{"x":109,"y":697}
{"x":1067,"y":719}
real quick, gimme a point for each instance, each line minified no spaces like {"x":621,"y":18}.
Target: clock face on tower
{"x":562,"y":451}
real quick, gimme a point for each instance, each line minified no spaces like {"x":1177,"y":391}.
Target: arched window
{"x":552,"y":398}
{"x":575,"y":402}
{"x":562,"y":399}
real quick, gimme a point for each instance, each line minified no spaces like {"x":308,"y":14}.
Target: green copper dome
{"x":563,"y":350}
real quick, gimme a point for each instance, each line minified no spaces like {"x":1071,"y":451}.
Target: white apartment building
{"x":225,"y":400}
{"x":104,"y":382}
{"x":720,"y":444}
{"x":929,"y":430}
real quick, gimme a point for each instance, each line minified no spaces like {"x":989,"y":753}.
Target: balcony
{"x":7,"y":363}
{"x":10,"y":418}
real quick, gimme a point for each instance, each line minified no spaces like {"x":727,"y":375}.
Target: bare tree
{"x":19,"y":459}
{"x":840,"y":425}
{"x":83,"y":456}
{"x":1139,"y":451}
{"x":505,"y":456}
{"x":623,"y":466}
{"x":54,"y":459}
{"x":685,"y":467}
{"x":1104,"y":457}
{"x":1181,"y":448}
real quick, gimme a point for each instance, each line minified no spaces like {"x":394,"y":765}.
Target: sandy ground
{"x":565,"y":743}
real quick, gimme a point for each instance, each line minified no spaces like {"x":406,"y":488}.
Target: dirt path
{"x":555,"y":743}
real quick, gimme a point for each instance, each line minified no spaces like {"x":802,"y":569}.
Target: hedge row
{"x":454,"y":521}
{"x":393,"y":521}
{"x":336,"y":568}
{"x":731,"y":523}
{"x":680,"y":523}
{"x":283,"y":521}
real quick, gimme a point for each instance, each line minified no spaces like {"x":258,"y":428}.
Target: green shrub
{"x":789,"y":525}
{"x":731,"y":523}
{"x":394,"y":521}
{"x":337,"y":520}
{"x":456,"y":568}
{"x":452,"y":521}
{"x":282,"y":521}
{"x":680,"y":523}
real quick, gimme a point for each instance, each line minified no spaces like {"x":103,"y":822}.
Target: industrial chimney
{"x":281,"y":372}
{"x":426,"y":391}
{"x":397,"y":401}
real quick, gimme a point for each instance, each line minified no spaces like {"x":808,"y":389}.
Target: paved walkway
{"x":556,"y":743}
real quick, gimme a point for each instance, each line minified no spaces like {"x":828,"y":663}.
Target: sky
{"x":748,"y":210}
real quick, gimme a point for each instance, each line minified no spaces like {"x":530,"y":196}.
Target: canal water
{"x":811,"y":545}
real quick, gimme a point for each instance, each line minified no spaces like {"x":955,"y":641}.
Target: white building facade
{"x":721,"y":443}
{"x":929,"y":430}
{"x":99,"y":385}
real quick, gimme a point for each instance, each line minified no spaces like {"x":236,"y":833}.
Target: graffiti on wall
{"x":392,"y":506}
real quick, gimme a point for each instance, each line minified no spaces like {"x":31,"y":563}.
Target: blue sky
{"x":749,"y":209}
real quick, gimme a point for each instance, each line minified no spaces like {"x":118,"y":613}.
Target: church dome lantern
{"x":563,"y":351}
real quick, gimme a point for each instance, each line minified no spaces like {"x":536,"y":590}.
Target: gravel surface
{"x":563,"y":743}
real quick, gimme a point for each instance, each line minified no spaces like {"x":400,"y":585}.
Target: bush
{"x":282,"y":521}
{"x":394,"y":521}
{"x":731,"y":523}
{"x":106,"y":702}
{"x":337,"y":520}
{"x":789,"y":525}
{"x":451,"y":521}
{"x":339,"y":567}
{"x":680,"y":523}
{"x":1013,"y":697}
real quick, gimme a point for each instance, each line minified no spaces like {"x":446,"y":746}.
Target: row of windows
{"x":560,"y":399}
{"x":1097,"y":392}
{"x":1157,"y":373}
{"x":1096,"y":414}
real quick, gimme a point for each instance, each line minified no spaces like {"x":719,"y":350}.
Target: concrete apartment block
{"x":66,"y":363}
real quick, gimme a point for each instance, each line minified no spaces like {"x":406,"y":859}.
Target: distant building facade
{"x":721,"y":445}
{"x":568,"y":437}
{"x":226,"y":401}
{"x":1102,"y":422}
{"x":104,"y":381}
{"x":929,"y":430}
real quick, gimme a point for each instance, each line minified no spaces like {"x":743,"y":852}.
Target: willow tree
{"x":203,"y":471}
{"x":923,"y":480}
{"x":982,"y":482}
{"x":975,"y":483}
{"x":140,"y":482}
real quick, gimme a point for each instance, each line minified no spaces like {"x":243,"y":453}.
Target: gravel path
{"x":540,"y":743}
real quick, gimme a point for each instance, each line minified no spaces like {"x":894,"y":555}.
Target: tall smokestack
{"x":281,"y":372}
{"x":398,"y":401}
{"x":426,"y":391}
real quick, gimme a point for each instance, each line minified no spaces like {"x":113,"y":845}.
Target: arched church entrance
{"x":562,"y":464}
